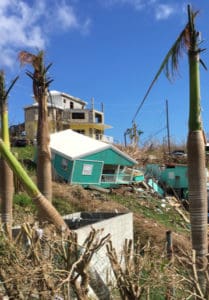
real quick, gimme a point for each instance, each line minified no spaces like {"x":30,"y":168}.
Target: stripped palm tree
{"x":6,"y":174}
{"x":189,"y":40}
{"x":40,"y":87}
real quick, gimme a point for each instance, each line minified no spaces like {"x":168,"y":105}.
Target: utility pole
{"x":168,"y":130}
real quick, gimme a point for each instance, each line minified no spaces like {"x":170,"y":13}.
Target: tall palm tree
{"x":196,"y":155}
{"x":6,"y":174}
{"x":40,"y":89}
{"x":189,"y":40}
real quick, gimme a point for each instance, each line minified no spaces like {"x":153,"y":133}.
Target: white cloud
{"x":28,"y":24}
{"x":160,"y":9}
{"x":66,"y":17}
{"x":164,"y":11}
{"x":136,"y":4}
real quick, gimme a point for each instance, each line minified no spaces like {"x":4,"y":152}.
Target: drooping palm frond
{"x":171,"y":61}
{"x":2,"y":85}
{"x":11,"y":86}
{"x":3,"y":91}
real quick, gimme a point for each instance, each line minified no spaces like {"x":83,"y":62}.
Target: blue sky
{"x":109,"y":50}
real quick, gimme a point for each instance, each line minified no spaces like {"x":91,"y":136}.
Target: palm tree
{"x":189,"y":40}
{"x":40,"y":89}
{"x":196,"y":155}
{"x":134,"y":133}
{"x":6,"y":174}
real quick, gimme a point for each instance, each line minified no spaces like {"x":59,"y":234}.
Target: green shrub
{"x":23,"y":200}
{"x":63,"y":206}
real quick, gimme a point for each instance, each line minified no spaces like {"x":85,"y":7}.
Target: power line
{"x":143,"y":100}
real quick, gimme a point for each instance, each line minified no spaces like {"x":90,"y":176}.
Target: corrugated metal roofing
{"x":75,"y":145}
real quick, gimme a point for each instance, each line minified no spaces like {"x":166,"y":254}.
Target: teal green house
{"x":170,"y":176}
{"x":79,"y":159}
{"x":173,"y":175}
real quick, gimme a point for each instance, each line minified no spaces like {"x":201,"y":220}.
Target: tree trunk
{"x":6,"y":174}
{"x":6,"y":191}
{"x":44,"y":172}
{"x":197,"y":192}
{"x":198,"y":202}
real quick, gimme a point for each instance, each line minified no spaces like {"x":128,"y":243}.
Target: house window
{"x":71,"y":105}
{"x":77,"y":115}
{"x":87,"y":169}
{"x":64,"y":164}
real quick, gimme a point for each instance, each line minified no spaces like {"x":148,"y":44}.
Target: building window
{"x":64,"y":164}
{"x":64,"y":100}
{"x":78,"y":115}
{"x":98,"y":118}
{"x":87,"y":169}
{"x":71,"y":105}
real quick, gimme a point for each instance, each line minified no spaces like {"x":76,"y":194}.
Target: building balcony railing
{"x":121,"y":178}
{"x":105,"y":138}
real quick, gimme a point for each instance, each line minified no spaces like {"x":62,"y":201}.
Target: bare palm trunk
{"x":197,"y":192}
{"x":7,"y":190}
{"x":44,"y":173}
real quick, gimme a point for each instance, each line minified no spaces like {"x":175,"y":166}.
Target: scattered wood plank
{"x":182,"y":215}
{"x":99,"y":189}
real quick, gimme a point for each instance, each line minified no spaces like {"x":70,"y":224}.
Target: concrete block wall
{"x":118,"y":225}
